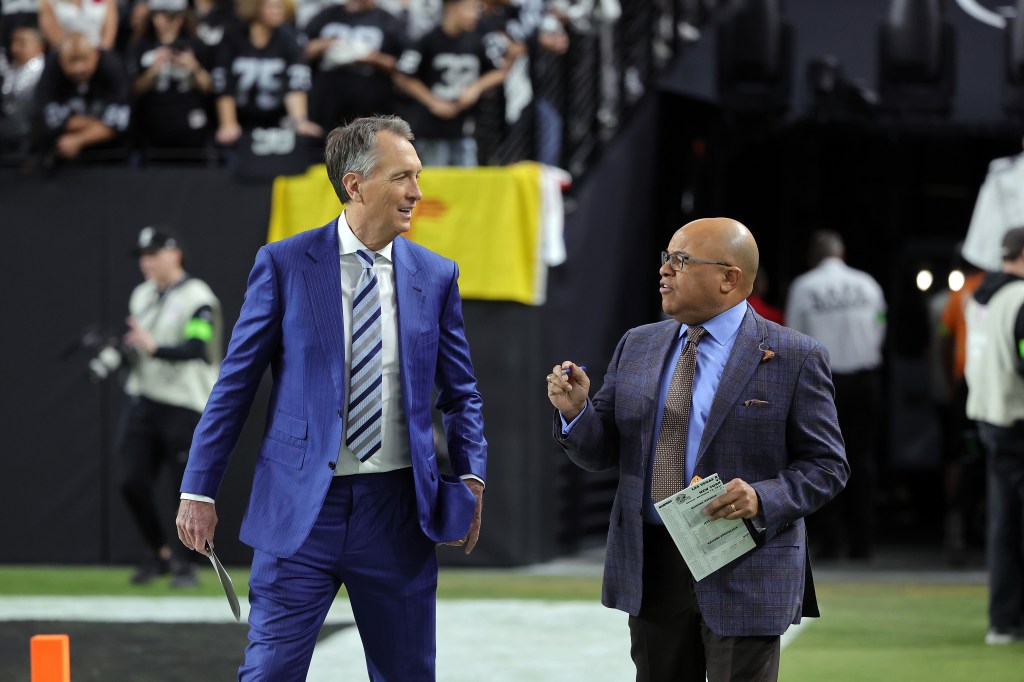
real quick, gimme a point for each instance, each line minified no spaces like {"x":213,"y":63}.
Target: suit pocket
{"x":285,"y":440}
{"x":288,"y":429}
{"x":428,"y":337}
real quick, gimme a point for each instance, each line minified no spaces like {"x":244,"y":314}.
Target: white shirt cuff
{"x":475,"y":478}
{"x":197,"y":498}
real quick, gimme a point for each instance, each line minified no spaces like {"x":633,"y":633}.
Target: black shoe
{"x":183,"y":575}
{"x":150,"y":570}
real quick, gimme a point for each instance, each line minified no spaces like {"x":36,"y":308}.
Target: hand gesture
{"x":568,"y":387}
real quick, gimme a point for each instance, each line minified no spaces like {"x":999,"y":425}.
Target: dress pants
{"x":367,"y":537}
{"x":670,"y":640}
{"x":154,"y":435}
{"x":1004,"y":449}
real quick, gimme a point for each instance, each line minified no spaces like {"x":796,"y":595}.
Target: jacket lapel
{"x":743,"y":360}
{"x":408,"y":299}
{"x":323,"y":280}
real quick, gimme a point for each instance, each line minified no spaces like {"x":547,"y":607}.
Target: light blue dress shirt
{"x":712,"y":354}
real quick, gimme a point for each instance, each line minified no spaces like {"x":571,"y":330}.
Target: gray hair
{"x":353,"y":148}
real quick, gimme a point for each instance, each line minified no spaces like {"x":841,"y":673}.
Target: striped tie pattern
{"x":670,"y":450}
{"x":364,"y":404}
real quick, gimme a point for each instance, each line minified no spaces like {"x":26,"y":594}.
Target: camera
{"x":107,"y":353}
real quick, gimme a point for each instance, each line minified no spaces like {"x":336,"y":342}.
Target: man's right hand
{"x":568,"y":386}
{"x":196,"y":522}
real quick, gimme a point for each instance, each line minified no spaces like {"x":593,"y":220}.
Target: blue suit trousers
{"x":367,"y":538}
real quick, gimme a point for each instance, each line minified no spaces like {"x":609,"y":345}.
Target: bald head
{"x":728,"y":241}
{"x":720,"y":275}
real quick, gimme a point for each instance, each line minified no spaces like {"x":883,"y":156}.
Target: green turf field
{"x":452,"y":584}
{"x":900,"y":632}
{"x":891,"y":631}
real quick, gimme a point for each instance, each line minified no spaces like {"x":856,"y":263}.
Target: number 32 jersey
{"x":447,"y":65}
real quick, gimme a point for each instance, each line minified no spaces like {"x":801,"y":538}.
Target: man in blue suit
{"x":757,"y":408}
{"x":357,"y":328}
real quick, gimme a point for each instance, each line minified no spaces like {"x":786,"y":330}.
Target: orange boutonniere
{"x":766,"y":353}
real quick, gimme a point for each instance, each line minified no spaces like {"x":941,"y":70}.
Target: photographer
{"x":174,"y":350}
{"x":169,"y":80}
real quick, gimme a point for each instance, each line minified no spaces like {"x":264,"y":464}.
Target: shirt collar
{"x":723,"y":326}
{"x":348,"y":243}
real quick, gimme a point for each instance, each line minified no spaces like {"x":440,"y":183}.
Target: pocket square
{"x":754,"y":402}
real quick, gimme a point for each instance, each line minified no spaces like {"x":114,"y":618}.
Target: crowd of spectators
{"x":213,"y":80}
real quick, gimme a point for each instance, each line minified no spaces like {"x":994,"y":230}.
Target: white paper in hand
{"x":706,"y":545}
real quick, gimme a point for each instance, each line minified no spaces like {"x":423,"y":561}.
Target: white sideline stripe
{"x":505,"y":640}
{"x":498,"y":640}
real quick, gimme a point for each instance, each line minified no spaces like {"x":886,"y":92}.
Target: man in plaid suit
{"x":759,"y":411}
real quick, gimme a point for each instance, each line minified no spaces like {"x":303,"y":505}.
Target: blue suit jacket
{"x":292,"y":321}
{"x":789,"y":448}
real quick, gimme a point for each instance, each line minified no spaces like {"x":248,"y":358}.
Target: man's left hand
{"x":739,"y":501}
{"x":469,"y":542}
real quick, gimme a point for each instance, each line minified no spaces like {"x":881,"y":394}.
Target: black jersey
{"x":259,"y":78}
{"x":173,"y":105}
{"x":447,"y":65}
{"x":344,"y":90}
{"x":104,"y":96}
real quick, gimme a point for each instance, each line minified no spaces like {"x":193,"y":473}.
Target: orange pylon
{"x":51,"y":658}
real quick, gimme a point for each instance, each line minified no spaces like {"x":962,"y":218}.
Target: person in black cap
{"x":174,"y":330}
{"x":995,"y":399}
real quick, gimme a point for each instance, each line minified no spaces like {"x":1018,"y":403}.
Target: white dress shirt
{"x":394,"y":449}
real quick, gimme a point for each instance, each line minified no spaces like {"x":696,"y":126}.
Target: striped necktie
{"x":670,"y":450}
{"x":364,"y":404}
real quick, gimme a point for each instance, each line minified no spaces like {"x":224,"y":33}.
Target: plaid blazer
{"x":787,"y":446}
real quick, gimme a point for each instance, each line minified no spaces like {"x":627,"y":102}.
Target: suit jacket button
{"x":331,"y":464}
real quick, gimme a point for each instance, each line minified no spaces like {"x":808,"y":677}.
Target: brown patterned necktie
{"x":670,"y":451}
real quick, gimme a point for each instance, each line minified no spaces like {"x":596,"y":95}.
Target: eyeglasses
{"x":678,"y":260}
